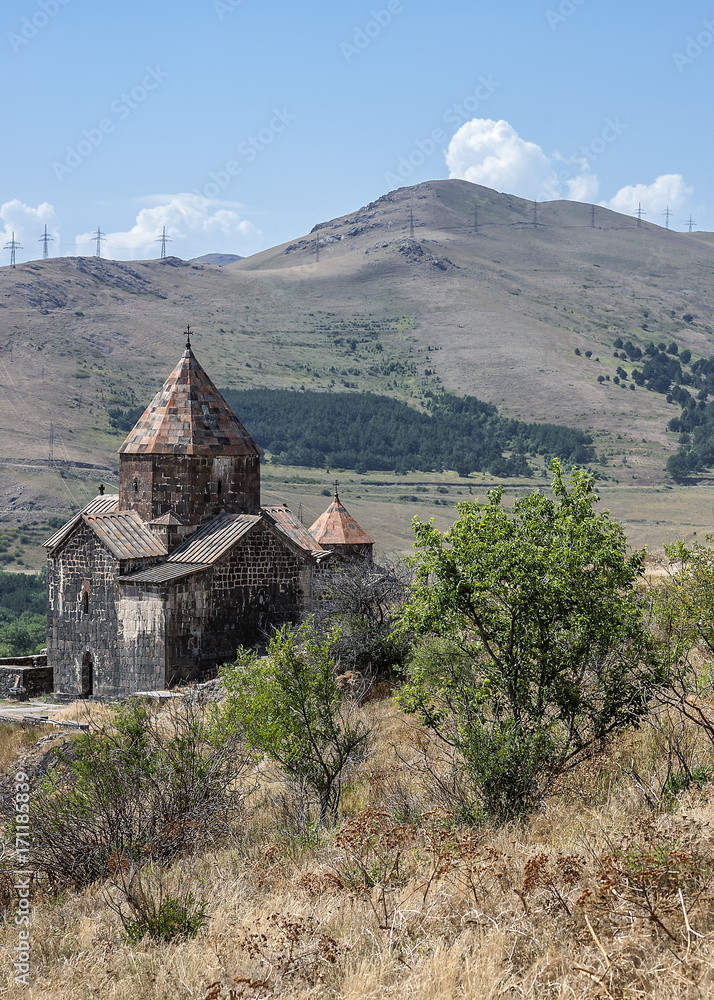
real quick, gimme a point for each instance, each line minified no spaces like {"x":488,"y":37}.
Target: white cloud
{"x":583,"y":186}
{"x":27,"y":224}
{"x":195,"y":225}
{"x":668,"y":190}
{"x":493,"y":154}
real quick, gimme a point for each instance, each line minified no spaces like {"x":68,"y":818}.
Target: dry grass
{"x":15,"y":740}
{"x":596,"y":896}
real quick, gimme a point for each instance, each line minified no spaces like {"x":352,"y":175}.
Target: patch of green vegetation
{"x":23,"y":621}
{"x":369,"y":432}
{"x":684,"y":380}
{"x":123,"y":420}
{"x":18,"y":543}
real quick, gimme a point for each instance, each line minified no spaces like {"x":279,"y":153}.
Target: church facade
{"x":163,"y":581}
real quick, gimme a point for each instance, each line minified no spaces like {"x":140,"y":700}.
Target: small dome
{"x":337,"y":528}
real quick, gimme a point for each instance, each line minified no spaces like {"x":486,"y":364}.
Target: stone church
{"x":162,"y":582}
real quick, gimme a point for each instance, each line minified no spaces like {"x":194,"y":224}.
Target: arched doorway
{"x":87,"y":675}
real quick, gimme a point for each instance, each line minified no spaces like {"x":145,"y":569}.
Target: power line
{"x":317,"y":248}
{"x":690,"y":222}
{"x":639,"y":213}
{"x":411,"y":223}
{"x":475,"y":218}
{"x":535,"y":212}
{"x":666,"y":215}
{"x":98,"y":239}
{"x":12,"y":246}
{"x":163,"y":240}
{"x":45,"y":240}
{"x":592,"y":216}
{"x":51,"y":457}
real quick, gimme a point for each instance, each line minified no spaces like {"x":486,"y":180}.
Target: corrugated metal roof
{"x":163,"y":573}
{"x":291,"y":526}
{"x":214,"y":539}
{"x":101,"y":504}
{"x":124,"y":534}
{"x":188,"y":416}
{"x":337,"y":527}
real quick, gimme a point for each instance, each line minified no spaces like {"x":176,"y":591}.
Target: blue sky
{"x":239,"y":124}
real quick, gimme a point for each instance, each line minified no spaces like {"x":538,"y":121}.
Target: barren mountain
{"x":478,"y":292}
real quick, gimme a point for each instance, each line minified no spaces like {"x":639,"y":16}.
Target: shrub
{"x":144,"y":905}
{"x":361,"y":601}
{"x":291,"y":709}
{"x":173,"y":918}
{"x":684,"y":614}
{"x":156,"y":785}
{"x":536,"y":648}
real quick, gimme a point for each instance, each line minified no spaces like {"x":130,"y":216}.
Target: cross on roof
{"x":188,"y":337}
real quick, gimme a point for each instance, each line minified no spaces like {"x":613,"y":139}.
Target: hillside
{"x":219,"y":259}
{"x":494,"y":310}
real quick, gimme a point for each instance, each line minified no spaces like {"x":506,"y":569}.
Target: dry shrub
{"x":598,"y":896}
{"x":158,"y":785}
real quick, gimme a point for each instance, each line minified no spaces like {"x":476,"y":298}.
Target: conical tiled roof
{"x":188,"y":416}
{"x":337,"y":527}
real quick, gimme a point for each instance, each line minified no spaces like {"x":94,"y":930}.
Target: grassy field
{"x":383,"y":503}
{"x":597,"y":895}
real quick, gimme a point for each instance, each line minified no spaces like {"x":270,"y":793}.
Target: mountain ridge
{"x":481,"y":300}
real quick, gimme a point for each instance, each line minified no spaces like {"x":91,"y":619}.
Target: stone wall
{"x":142,"y":650}
{"x":36,"y":660}
{"x":84,"y":646}
{"x":33,"y":681}
{"x":260,"y":584}
{"x":196,"y":488}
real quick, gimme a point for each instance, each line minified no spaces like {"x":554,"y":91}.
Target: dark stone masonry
{"x":162,"y":582}
{"x":24,"y":677}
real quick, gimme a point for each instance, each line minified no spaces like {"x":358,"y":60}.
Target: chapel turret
{"x":338,"y":531}
{"x":188,"y":454}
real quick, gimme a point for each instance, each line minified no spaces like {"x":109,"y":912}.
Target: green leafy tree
{"x":23,"y":636}
{"x":684,"y":614}
{"x":291,"y":709}
{"x":537,"y":648}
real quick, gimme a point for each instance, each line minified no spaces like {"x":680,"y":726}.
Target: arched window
{"x":220,"y":487}
{"x":85,"y":603}
{"x":136,"y":485}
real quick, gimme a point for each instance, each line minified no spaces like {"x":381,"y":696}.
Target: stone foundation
{"x":21,"y":679}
